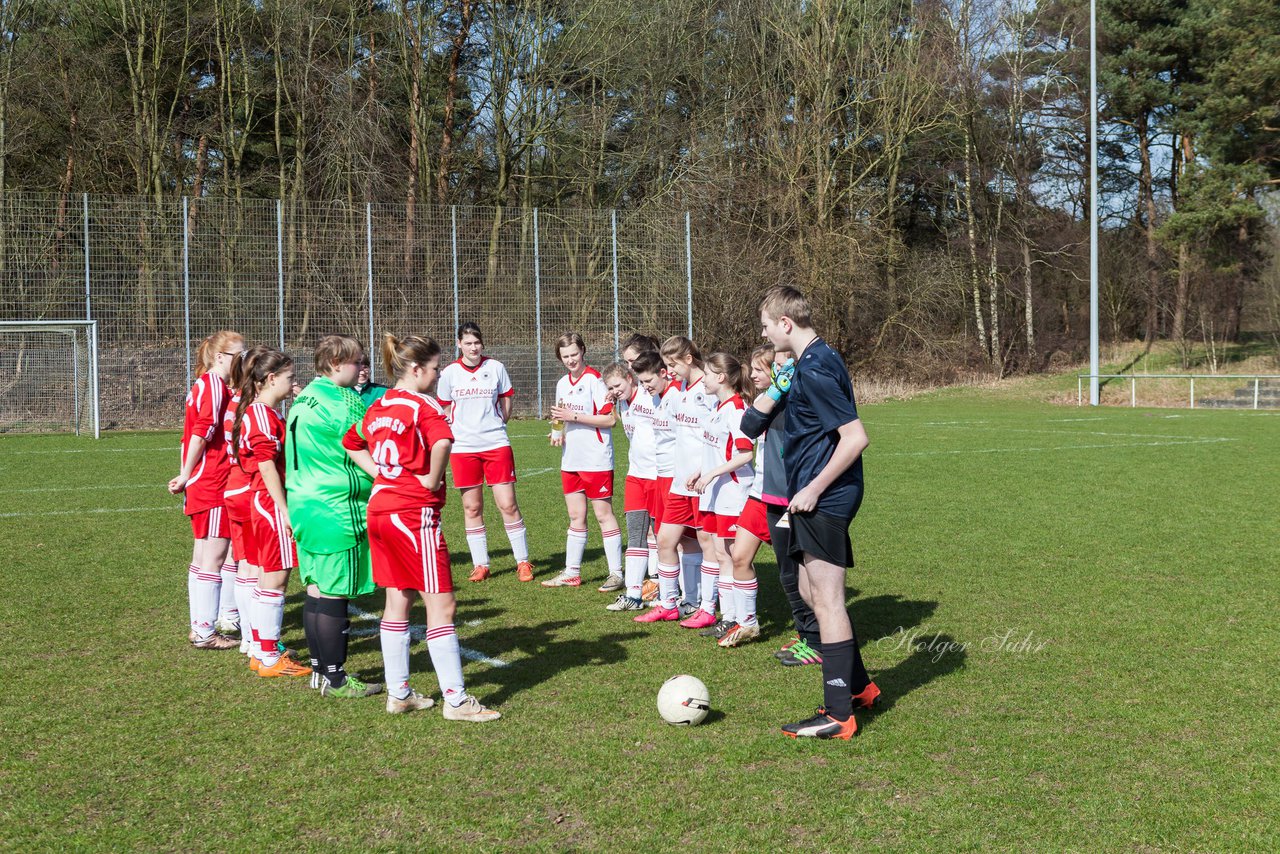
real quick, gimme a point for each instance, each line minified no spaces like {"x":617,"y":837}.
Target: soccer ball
{"x":683,"y":701}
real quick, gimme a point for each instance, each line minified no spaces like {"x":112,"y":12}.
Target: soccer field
{"x":1071,"y":613}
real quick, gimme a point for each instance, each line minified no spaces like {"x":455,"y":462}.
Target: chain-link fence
{"x":159,"y":276}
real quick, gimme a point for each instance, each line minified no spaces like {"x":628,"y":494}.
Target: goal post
{"x":49,"y":377}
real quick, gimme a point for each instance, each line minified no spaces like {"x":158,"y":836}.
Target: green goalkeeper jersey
{"x":327,"y":492}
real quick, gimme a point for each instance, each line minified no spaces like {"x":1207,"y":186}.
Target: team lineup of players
{"x":723,"y":457}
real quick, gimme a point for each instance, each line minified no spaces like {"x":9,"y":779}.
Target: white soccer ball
{"x":683,"y":701}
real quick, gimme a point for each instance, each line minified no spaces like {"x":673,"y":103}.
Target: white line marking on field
{"x":420,"y":632}
{"x":86,"y":488}
{"x":170,"y":509}
{"x":536,"y":472}
{"x":1210,"y":441}
{"x":1065,"y":420}
{"x":175,"y":449}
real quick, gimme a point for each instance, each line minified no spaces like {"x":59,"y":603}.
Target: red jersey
{"x":237,"y":480}
{"x":204,"y":411}
{"x":261,"y":443}
{"x":400,"y":429}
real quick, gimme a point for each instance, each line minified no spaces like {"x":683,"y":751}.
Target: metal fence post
{"x":280,"y":264}
{"x":93,"y":379}
{"x":1193,"y":392}
{"x":88,"y":302}
{"x":1133,"y":391}
{"x":368,"y":253}
{"x":1079,"y":390}
{"x":453,"y":242}
{"x":537,"y":309}
{"x":186,"y":289}
{"x":688,"y":271}
{"x":1255,"y":392}
{"x":613,"y":228}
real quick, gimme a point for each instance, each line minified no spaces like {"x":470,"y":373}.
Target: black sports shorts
{"x":824,"y":536}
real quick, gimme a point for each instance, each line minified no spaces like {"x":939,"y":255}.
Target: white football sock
{"x":668,"y":584}
{"x":244,"y":601}
{"x":228,"y":607}
{"x":613,"y":550}
{"x":637,"y":560}
{"x":479,"y":545}
{"x":267,"y":619}
{"x":710,"y":576}
{"x":519,"y":541}
{"x":202,"y":594}
{"x":728,"y":594}
{"x":690,"y":569}
{"x":395,"y":656}
{"x":653,"y":557}
{"x":747,"y":602}
{"x":446,"y":658}
{"x":575,"y":544}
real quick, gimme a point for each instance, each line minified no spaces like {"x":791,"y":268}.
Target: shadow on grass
{"x":932,"y":658}
{"x":544,"y":655}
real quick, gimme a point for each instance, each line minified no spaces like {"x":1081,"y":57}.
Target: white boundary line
{"x":157,"y":486}
{"x":418,"y":633}
{"x":1209,"y":441}
{"x":170,"y":509}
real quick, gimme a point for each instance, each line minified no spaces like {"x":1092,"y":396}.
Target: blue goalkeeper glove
{"x":781,"y":375}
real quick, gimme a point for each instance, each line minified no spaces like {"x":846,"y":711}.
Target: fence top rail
{"x":1179,"y":376}
{"x":48,"y":324}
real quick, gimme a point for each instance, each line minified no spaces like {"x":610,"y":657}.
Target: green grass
{"x":1136,"y":549}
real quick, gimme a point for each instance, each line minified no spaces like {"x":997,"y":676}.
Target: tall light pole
{"x":1093,"y":202}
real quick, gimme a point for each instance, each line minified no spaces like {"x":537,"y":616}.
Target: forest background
{"x":920,"y":168}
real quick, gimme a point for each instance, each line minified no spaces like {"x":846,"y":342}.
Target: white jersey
{"x":691,"y":406}
{"x":585,"y":448}
{"x":637,"y":422}
{"x":470,"y":398}
{"x":664,"y":436}
{"x":722,"y":440}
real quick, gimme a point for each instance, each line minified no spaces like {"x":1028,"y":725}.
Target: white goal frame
{"x":71,"y":328}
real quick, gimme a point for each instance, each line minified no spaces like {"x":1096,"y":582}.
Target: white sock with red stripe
{"x":519,"y":541}
{"x":575,"y":544}
{"x":653,"y":557}
{"x":446,"y":658}
{"x":690,"y":569}
{"x":395,"y":656}
{"x":747,"y":601}
{"x":244,"y":599}
{"x":668,"y":584}
{"x":268,"y":616}
{"x":728,"y":595}
{"x":202,"y":599}
{"x":479,"y":545}
{"x":228,"y":607}
{"x":613,"y":550}
{"x":710,"y":575}
{"x":637,"y":562}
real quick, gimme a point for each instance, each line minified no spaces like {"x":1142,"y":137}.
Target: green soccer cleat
{"x":352,"y":689}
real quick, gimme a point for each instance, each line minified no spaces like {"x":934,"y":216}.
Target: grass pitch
{"x":1071,"y":612}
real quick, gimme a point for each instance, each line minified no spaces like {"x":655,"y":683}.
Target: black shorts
{"x":824,"y":536}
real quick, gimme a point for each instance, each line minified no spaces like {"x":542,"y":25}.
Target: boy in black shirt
{"x":823,"y":440}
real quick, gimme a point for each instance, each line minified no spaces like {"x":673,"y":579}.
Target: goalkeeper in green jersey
{"x":328,"y":494}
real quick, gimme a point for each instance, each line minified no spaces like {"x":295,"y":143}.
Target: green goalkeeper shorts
{"x":346,"y":574}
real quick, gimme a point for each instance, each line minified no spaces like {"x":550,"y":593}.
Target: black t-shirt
{"x":819,"y":403}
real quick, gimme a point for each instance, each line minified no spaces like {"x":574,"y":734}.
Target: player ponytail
{"x":219,"y":342}
{"x":677,"y":347}
{"x":334,"y":351}
{"x":252,"y":371}
{"x":734,"y":376}
{"x":399,"y":355}
{"x":470,"y":328}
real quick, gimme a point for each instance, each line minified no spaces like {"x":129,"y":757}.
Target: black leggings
{"x":789,"y":574}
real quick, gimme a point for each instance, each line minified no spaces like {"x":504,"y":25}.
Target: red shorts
{"x":638,"y":494}
{"x":239,"y":511}
{"x":596,"y":484}
{"x":682,"y":510}
{"x":754,"y":520}
{"x":408,"y":551}
{"x":268,"y":544}
{"x":658,"y":509}
{"x":491,"y":467}
{"x":210,"y":523}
